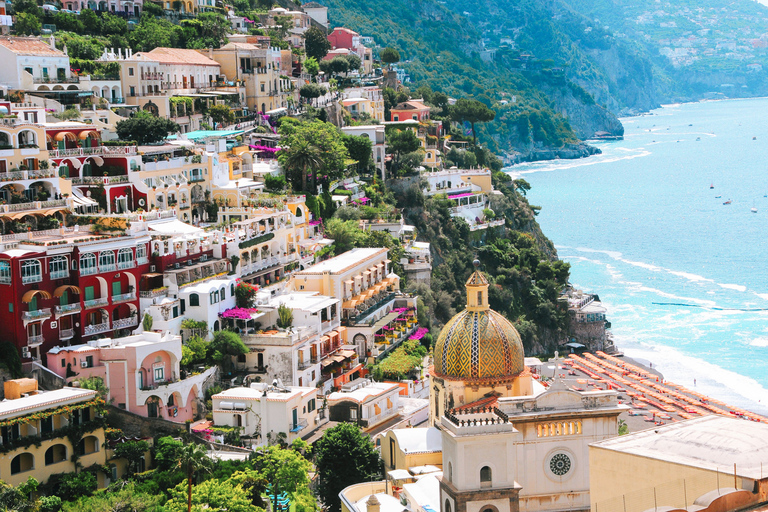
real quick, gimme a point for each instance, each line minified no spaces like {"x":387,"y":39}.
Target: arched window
{"x":194,"y":299}
{"x":106,"y":261}
{"x":88,"y":264}
{"x":212,"y":298}
{"x":31,"y":271}
{"x":58,"y":267}
{"x":141,"y":252}
{"x":231,"y":286}
{"x":22,"y":462}
{"x":479,"y":298}
{"x":223,"y":293}
{"x":124,"y":258}
{"x":88,"y":445}
{"x":56,"y":453}
{"x":485,"y":476}
{"x":447,"y":507}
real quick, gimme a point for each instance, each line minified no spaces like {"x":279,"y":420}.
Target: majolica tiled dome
{"x":478,"y":343}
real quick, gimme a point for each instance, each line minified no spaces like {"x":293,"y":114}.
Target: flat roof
{"x":43,"y":400}
{"x":711,"y":442}
{"x":343,"y":261}
{"x":362,"y":394}
{"x":243,"y":393}
{"x":308,"y":301}
{"x":419,"y":440}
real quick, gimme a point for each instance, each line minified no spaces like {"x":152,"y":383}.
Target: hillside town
{"x":228,"y":285}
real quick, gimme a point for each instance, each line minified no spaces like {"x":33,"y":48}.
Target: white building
{"x":364,"y":402}
{"x":264,"y":411}
{"x":317,"y":12}
{"x":29,"y":63}
{"x":376,"y":134}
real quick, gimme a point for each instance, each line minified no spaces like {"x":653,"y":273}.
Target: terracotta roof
{"x":180,"y":56}
{"x":411,"y":105}
{"x":239,"y":46}
{"x":342,"y":29}
{"x":29,"y":46}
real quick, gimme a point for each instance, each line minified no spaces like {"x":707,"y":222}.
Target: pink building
{"x":344,"y":38}
{"x":141,"y":371}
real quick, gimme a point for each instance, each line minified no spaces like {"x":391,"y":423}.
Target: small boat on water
{"x":711,"y":186}
{"x":718,"y":197}
{"x":727,"y":202}
{"x":754,"y":210}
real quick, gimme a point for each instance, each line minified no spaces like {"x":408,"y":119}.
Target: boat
{"x":754,"y":210}
{"x":718,"y":197}
{"x":727,"y":202}
{"x":711,"y":185}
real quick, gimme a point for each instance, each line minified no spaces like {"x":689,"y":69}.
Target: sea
{"x":645,"y":226}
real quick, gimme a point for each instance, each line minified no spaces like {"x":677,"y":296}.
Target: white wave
{"x":613,"y":254}
{"x":762,"y":295}
{"x":737,"y":287}
{"x":691,"y":277}
{"x":759,"y":342}
{"x":647,"y":266}
{"x":561,"y":165}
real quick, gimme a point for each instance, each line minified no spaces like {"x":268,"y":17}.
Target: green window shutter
{"x":89,"y":295}
{"x":116,"y":289}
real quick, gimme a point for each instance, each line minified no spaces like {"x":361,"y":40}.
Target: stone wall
{"x":139,"y":426}
{"x":591,"y":334}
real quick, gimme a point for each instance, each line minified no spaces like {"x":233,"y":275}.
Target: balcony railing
{"x":88,"y":271}
{"x":142,"y":261}
{"x":151,"y":294}
{"x":97,"y":150}
{"x":196,"y":177}
{"x":34,"y":278}
{"x":96,"y":328}
{"x":300,"y":424}
{"x":56,"y":80}
{"x":303,"y":365}
{"x":123,"y":297}
{"x":95,"y":303}
{"x":122,"y":265}
{"x":66,"y":309}
{"x":66,"y":334}
{"x":124,"y":323}
{"x":36,"y":314}
{"x":109,"y":267}
{"x":59,"y":274}
{"x":34,"y":339}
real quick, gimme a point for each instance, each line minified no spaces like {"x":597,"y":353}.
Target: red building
{"x":69,"y":285}
{"x":344,"y":38}
{"x":409,"y":110}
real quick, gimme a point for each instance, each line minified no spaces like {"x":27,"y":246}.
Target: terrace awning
{"x":31,"y":294}
{"x":58,"y":292}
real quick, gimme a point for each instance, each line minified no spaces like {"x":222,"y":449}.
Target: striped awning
{"x":31,"y":294}
{"x":58,"y":292}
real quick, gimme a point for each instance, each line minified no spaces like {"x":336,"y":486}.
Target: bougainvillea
{"x":239,"y":313}
{"x":420,"y":332}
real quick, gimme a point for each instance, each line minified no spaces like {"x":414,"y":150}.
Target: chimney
{"x":373,"y":504}
{"x":65,"y":50}
{"x":53,"y":42}
{"x":210,"y":52}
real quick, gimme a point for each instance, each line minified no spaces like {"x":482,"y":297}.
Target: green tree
{"x":194,"y":351}
{"x":221,"y":114}
{"x":389,"y":56}
{"x":284,"y":317}
{"x":285,"y":469}
{"x":522,"y":186}
{"x":132,"y":451}
{"x":362,"y":463}
{"x":111,"y":24}
{"x":125,"y":498}
{"x":71,"y":486}
{"x":316,"y":43}
{"x":311,"y":67}
{"x":9,"y":358}
{"x":344,"y":233}
{"x":312,"y":91}
{"x":145,"y":128}
{"x":96,"y":384}
{"x":19,"y":498}
{"x":400,"y":143}
{"x":146,"y":323}
{"x":27,"y":24}
{"x":359,"y":148}
{"x":299,"y":159}
{"x":301,"y":136}
{"x":210,"y":495}
{"x":91,"y":21}
{"x":152,"y":32}
{"x":69,"y":22}
{"x":226,"y":344}
{"x":166,"y":453}
{"x":28,"y":6}
{"x":472,"y":111}
{"x":191,"y":458}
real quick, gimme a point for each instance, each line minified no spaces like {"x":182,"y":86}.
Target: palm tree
{"x":303,"y":156}
{"x":192,"y":457}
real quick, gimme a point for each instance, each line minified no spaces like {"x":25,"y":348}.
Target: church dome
{"x":478,"y":343}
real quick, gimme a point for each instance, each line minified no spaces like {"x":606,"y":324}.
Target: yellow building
{"x":405,"y":448}
{"x":36,"y":429}
{"x":711,"y":463}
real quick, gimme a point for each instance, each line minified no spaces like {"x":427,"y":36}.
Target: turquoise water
{"x":684,"y":277}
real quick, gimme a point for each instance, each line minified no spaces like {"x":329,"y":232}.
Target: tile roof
{"x":313,"y":5}
{"x":180,"y":56}
{"x":411,"y":105}
{"x":29,"y":46}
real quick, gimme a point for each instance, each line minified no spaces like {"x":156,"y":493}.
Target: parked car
{"x":49,"y":7}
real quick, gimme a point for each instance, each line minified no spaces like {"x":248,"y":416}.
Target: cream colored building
{"x":711,"y":463}
{"x":43,"y":417}
{"x":404,"y":448}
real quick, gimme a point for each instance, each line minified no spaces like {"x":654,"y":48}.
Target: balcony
{"x":56,"y":80}
{"x":34,"y":278}
{"x":34,"y":339}
{"x":123,"y":297}
{"x":67,"y":309}
{"x":108,"y":267}
{"x":88,"y":271}
{"x":142,"y":261}
{"x":122,"y":265}
{"x":36,"y":314}
{"x":196,"y":178}
{"x":95,"y":151}
{"x":96,"y":329}
{"x":125,"y":323}
{"x":308,"y":363}
{"x":151,"y":294}
{"x":59,"y":274}
{"x":66,"y":334}
{"x":95,"y":303}
{"x":300,"y":424}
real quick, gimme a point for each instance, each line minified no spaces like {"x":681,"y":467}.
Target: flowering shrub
{"x":245,"y":294}
{"x":239,"y":313}
{"x":420,"y":332}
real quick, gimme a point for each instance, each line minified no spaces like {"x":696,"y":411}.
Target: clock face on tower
{"x":560,"y":464}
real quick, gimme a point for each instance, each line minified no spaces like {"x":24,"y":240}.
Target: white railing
{"x":65,"y":334}
{"x":98,"y":150}
{"x":151,"y":294}
{"x":88,"y":271}
{"x":110,"y":267}
{"x":124,"y":323}
{"x":35,"y":278}
{"x":123,"y":297}
{"x":121,"y":265}
{"x":96,"y":328}
{"x":64,"y":309}
{"x":94,"y":303}
{"x":34,"y":339}
{"x":142,"y":261}
{"x":36,"y":314}
{"x":59,"y":274}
